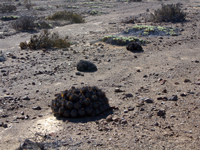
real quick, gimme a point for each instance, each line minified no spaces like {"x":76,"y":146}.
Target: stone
{"x":118,"y":90}
{"x":187,"y":81}
{"x":86,"y":66}
{"x":25,"y":98}
{"x":134,"y":47}
{"x":161,"y":113}
{"x":197,"y":82}
{"x":109,"y":118}
{"x":115,"y":118}
{"x":37,"y":108}
{"x":173,"y":98}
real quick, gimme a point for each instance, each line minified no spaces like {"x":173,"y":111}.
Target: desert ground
{"x":154,"y":94}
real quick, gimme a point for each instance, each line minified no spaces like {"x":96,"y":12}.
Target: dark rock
{"x":197,"y":82}
{"x":2,"y":58}
{"x":187,"y":81}
{"x":79,"y":74}
{"x":86,"y":66}
{"x":161,"y":113}
{"x":148,"y":100}
{"x":183,"y":94}
{"x":25,"y":98}
{"x":173,"y":98}
{"x":124,"y":122}
{"x":118,"y":90}
{"x":37,"y":108}
{"x":134,"y":47}
{"x":162,"y":98}
{"x":129,"y":95}
{"x":130,"y":108}
{"x":109,"y":118}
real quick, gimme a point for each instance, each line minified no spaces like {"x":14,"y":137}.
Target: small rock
{"x":197,"y":82}
{"x":173,"y":98}
{"x":130,"y":108}
{"x":22,"y":113}
{"x":183,"y":94}
{"x":79,"y":74}
{"x":148,"y":100}
{"x":118,"y":90}
{"x":124,"y":122}
{"x":115,"y":118}
{"x":162,"y":98}
{"x":37,"y":108}
{"x":161,"y":113}
{"x":125,"y":111}
{"x":145,"y":76}
{"x":86,"y":66}
{"x":164,"y":91}
{"x":176,"y":83}
{"x":134,"y":47}
{"x":187,"y":81}
{"x":25,"y":98}
{"x":109,"y":118}
{"x":129,"y":95}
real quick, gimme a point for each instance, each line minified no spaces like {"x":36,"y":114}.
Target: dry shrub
{"x":67,"y":15}
{"x":24,"y":23}
{"x":45,"y":40}
{"x":7,"y":8}
{"x":169,"y":13}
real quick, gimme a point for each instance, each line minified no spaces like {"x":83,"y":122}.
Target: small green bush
{"x":45,"y":40}
{"x":24,"y":23}
{"x":168,"y":13}
{"x":7,"y":18}
{"x":67,"y":15}
{"x":7,"y":8}
{"x":115,"y":40}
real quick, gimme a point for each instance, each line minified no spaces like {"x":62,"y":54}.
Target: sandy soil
{"x":168,"y":66}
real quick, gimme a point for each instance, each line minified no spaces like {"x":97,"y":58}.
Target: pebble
{"x":187,"y":81}
{"x":37,"y":108}
{"x":161,"y":113}
{"x":130,"y":108}
{"x":197,"y":82}
{"x":183,"y":94}
{"x":25,"y":98}
{"x":115,"y":118}
{"x":109,"y":118}
{"x":162,"y":98}
{"x":118,"y":90}
{"x":148,"y":100}
{"x":173,"y":98}
{"x":79,"y":74}
{"x":125,"y":111}
{"x":124,"y":122}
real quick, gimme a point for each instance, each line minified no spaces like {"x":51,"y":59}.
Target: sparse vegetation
{"x":45,"y":40}
{"x":69,"y":16}
{"x":24,"y":23}
{"x":122,"y":40}
{"x":146,"y":30}
{"x":94,"y":12}
{"x":40,"y":8}
{"x":7,"y":18}
{"x":43,"y":25}
{"x":169,"y":13}
{"x":7,"y":8}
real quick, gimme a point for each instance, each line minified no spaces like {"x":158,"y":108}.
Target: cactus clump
{"x":80,"y":102}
